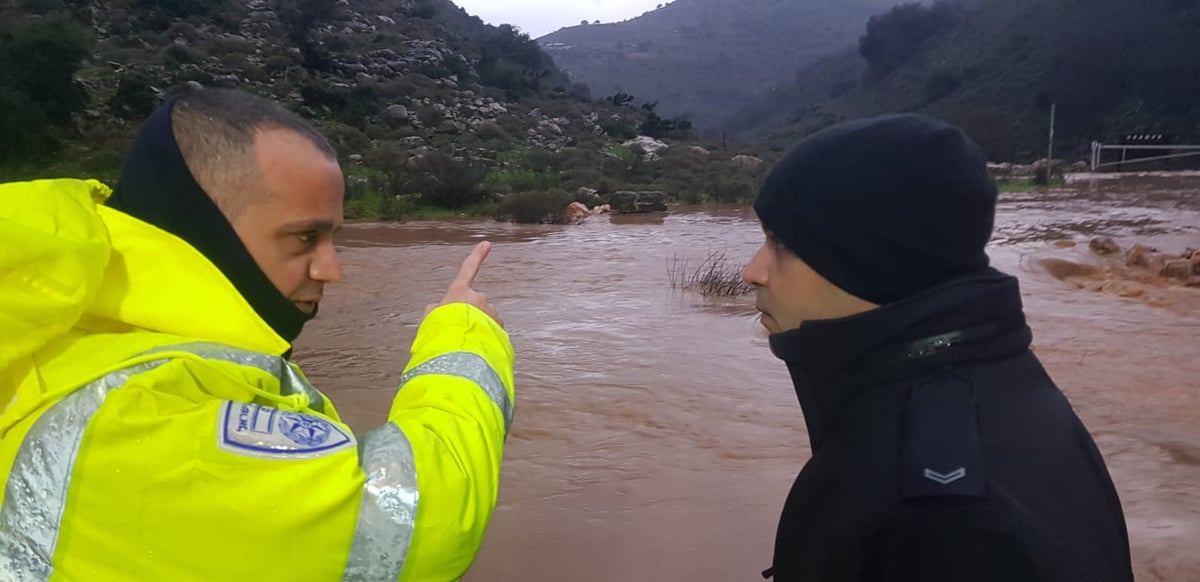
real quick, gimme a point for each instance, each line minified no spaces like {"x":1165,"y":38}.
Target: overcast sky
{"x":541,"y":17}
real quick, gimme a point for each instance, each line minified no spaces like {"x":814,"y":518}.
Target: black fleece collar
{"x":968,"y":319}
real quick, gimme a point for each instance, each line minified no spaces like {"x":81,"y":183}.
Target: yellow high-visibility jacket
{"x":152,"y":431}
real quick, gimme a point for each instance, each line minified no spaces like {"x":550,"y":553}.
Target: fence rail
{"x":1098,"y":150}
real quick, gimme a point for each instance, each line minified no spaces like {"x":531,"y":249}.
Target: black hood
{"x":157,"y":187}
{"x":968,"y":319}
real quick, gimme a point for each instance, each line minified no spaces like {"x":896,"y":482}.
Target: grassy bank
{"x":1028,"y":185}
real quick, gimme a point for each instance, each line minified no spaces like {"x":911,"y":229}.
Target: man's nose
{"x":754,"y":274}
{"x":326,"y":267}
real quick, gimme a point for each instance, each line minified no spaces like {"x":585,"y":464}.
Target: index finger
{"x":472,"y":264}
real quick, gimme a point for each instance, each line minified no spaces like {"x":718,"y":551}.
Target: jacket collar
{"x":157,"y":282}
{"x":832,"y":361}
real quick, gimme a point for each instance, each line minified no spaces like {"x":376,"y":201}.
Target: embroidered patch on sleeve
{"x":269,"y":433}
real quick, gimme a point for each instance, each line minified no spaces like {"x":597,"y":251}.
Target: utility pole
{"x":1050,"y":151}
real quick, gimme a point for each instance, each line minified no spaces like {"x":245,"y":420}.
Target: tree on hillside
{"x":301,"y":17}
{"x":896,"y":35}
{"x":620,"y":99}
{"x":38,"y":62}
{"x":511,"y":60}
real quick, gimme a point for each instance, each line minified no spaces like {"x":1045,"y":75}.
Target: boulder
{"x":1148,"y":257}
{"x":413,"y":141}
{"x":626,"y":202}
{"x":385,"y":19}
{"x":601,"y":209}
{"x":748,"y":163}
{"x":1104,"y":246}
{"x":699,"y":150}
{"x":1178,"y":269}
{"x":1053,"y":166}
{"x":647,"y":144}
{"x":1131,"y":292}
{"x":585,"y":192}
{"x":226,"y":81}
{"x":1001,"y":170}
{"x":397,"y":112}
{"x":1137,"y":256}
{"x":1062,"y":269}
{"x":577,"y":212}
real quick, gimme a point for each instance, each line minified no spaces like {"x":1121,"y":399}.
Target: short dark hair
{"x":215,"y":131}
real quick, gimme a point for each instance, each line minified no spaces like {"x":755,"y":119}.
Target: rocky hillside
{"x":427,"y":105}
{"x":1112,"y":67}
{"x":708,"y":58}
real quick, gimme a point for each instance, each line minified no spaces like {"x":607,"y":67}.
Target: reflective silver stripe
{"x":36,"y":493}
{"x":389,"y":507}
{"x":290,"y":381}
{"x":472,"y":367}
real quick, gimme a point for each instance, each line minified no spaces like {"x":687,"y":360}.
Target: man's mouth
{"x":763,"y":316}
{"x":306,"y":306}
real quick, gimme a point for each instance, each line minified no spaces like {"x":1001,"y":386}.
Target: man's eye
{"x":307,"y":237}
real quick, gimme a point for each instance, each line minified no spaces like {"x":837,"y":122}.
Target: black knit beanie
{"x":157,"y":187}
{"x":884,"y":207}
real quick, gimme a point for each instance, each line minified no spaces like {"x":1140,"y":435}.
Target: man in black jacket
{"x":941,"y":449}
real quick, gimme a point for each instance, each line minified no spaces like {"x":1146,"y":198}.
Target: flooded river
{"x":656,"y":436}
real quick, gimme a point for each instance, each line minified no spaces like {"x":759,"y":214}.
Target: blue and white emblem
{"x":259,"y":431}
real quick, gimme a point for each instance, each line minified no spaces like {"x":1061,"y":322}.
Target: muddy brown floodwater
{"x":656,"y":437}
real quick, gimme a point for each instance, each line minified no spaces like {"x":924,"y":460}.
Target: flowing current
{"x":655,"y":435}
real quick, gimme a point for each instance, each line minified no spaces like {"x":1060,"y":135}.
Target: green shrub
{"x":183,"y":8}
{"x":175,"y":55}
{"x":615,"y":128}
{"x":441,"y":181}
{"x":543,"y":207}
{"x":134,"y":99}
{"x":39,"y":59}
{"x":373,"y":204}
{"x":397,"y":88}
{"x":423,"y":9}
{"x":351,"y":105}
{"x":522,"y":179}
{"x":430,"y":116}
{"x":491,"y":130}
{"x":347,"y":140}
{"x":44,"y":6}
{"x":276,"y":64}
{"x":727,"y":190}
{"x":184,"y":29}
{"x":26,"y":129}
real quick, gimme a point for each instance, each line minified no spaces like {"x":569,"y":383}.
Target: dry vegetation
{"x":713,"y":276}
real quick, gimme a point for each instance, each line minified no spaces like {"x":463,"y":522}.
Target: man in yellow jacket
{"x":152,"y":426}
